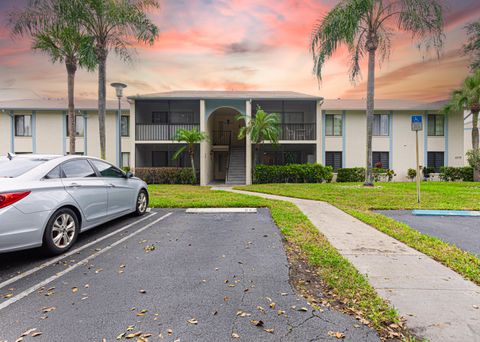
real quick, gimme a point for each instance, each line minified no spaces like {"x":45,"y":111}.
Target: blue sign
{"x":416,"y":118}
{"x":417,"y":124}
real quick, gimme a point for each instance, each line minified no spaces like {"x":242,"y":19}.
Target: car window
{"x":18,"y":166}
{"x":107,"y":170}
{"x":54,"y":174}
{"x":78,"y":168}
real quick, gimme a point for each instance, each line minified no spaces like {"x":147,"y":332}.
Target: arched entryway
{"x":227,"y":151}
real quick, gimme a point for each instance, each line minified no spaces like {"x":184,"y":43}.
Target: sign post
{"x":417,"y":125}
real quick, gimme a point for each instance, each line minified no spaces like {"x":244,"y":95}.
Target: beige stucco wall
{"x":50,"y":137}
{"x":456,"y":135}
{"x":356,"y":135}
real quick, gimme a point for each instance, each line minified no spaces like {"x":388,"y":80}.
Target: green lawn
{"x":358,"y":201}
{"x":303,"y":240}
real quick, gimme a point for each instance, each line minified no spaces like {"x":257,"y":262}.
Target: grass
{"x":359,"y":202}
{"x":345,"y":283}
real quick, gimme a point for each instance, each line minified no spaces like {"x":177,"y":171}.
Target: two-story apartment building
{"x":39,"y":125}
{"x":331,"y":132}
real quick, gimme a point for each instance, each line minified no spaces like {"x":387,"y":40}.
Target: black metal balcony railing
{"x":297,"y":131}
{"x":221,"y":137}
{"x":152,"y":132}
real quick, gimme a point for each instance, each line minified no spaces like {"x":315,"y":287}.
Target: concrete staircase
{"x":236,"y":170}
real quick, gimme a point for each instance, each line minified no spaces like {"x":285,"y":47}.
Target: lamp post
{"x":119,"y":92}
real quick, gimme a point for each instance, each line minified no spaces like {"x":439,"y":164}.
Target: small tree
{"x":263,"y":126}
{"x":191,"y":138}
{"x":56,"y":31}
{"x":468,"y":98}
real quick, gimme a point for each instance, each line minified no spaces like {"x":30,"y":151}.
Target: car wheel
{"x":142,"y":203}
{"x":61,"y":231}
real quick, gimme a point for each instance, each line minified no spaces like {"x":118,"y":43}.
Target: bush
{"x":293,"y":173}
{"x":427,"y":171}
{"x":354,"y":174}
{"x":411,"y":174}
{"x":451,"y":174}
{"x":165,"y":175}
{"x":357,"y":174}
{"x":126,"y":169}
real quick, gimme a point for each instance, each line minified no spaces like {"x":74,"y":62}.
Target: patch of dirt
{"x":308,"y":283}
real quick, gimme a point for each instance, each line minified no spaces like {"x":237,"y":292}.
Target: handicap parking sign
{"x":417,"y":124}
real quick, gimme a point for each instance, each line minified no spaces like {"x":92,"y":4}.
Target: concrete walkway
{"x":438,"y":303}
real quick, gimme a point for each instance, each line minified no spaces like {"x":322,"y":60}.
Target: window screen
{"x":333,"y":124}
{"x":381,"y":158}
{"x":436,"y":125}
{"x":381,"y":124}
{"x":333,"y":159}
{"x":23,"y":125}
{"x":436,"y":160}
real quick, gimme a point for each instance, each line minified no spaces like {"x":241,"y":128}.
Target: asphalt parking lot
{"x":170,"y":276}
{"x":464,"y":232}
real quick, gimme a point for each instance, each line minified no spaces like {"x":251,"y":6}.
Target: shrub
{"x":125,"y":168}
{"x":165,"y":175}
{"x":427,"y":171}
{"x":451,"y":174}
{"x":293,"y":173}
{"x":411,"y":174}
{"x":354,"y":174}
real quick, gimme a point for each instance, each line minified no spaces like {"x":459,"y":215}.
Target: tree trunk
{"x":475,"y":130}
{"x":370,"y":110}
{"x":102,"y":75}
{"x":192,"y":161}
{"x":71,"y":69}
{"x":476,"y":168}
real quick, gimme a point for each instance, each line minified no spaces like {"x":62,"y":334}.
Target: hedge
{"x":451,"y":174}
{"x":293,"y":173}
{"x":165,"y":175}
{"x":357,"y":174}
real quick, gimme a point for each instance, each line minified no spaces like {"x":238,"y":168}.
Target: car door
{"x":88,"y":190}
{"x":122,"y":192}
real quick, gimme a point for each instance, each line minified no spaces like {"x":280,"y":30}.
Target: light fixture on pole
{"x":119,"y":92}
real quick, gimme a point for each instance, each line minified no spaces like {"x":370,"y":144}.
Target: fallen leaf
{"x":304,"y":309}
{"x":192,"y":321}
{"x":122,"y":335}
{"x":475,"y":307}
{"x":143,"y":291}
{"x":336,"y":334}
{"x":281,"y":312}
{"x":98,"y":270}
{"x":37,"y":333}
{"x":235,"y":335}
{"x":169,"y":332}
{"x":270,"y":331}
{"x":74,"y":289}
{"x":48,"y":309}
{"x":149,"y":248}
{"x":272,"y":305}
{"x":9,"y":295}
{"x":28,"y":332}
{"x":260,"y":308}
{"x":20,"y":339}
{"x":130,"y":327}
{"x":257,"y":323}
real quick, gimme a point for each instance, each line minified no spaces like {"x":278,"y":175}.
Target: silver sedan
{"x":48,"y":200}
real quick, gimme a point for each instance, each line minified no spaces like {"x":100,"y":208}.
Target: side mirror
{"x":128,"y":175}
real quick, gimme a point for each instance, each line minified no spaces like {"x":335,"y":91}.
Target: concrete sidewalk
{"x":438,"y":303}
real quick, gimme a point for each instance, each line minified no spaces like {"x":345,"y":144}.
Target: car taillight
{"x":10,"y":198}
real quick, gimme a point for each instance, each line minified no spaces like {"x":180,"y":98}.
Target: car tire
{"x":61,"y":232}
{"x":141,"y":204}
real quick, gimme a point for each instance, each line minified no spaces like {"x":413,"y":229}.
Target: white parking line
{"x":220,"y":210}
{"x":71,"y":252}
{"x":34,"y":288}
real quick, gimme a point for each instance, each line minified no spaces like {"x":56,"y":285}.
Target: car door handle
{"x":74,"y":185}
{"x":111,"y":185}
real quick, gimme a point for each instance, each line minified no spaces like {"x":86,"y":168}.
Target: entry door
{"x":220,"y":165}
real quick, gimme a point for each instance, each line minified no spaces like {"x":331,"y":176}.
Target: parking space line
{"x":220,"y":210}
{"x":71,"y":252}
{"x":41,"y":284}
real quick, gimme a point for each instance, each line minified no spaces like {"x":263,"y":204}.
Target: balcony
{"x":298,"y":132}
{"x":160,"y":132}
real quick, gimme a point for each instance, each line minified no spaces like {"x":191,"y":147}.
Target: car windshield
{"x":18,"y":166}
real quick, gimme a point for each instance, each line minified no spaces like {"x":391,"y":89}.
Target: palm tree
{"x":263,"y":126}
{"x":191,"y":138}
{"x":59,"y":35}
{"x":366,"y":26}
{"x":115,"y":25}
{"x":468,"y":98}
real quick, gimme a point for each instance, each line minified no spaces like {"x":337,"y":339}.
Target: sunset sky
{"x":246,"y":45}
